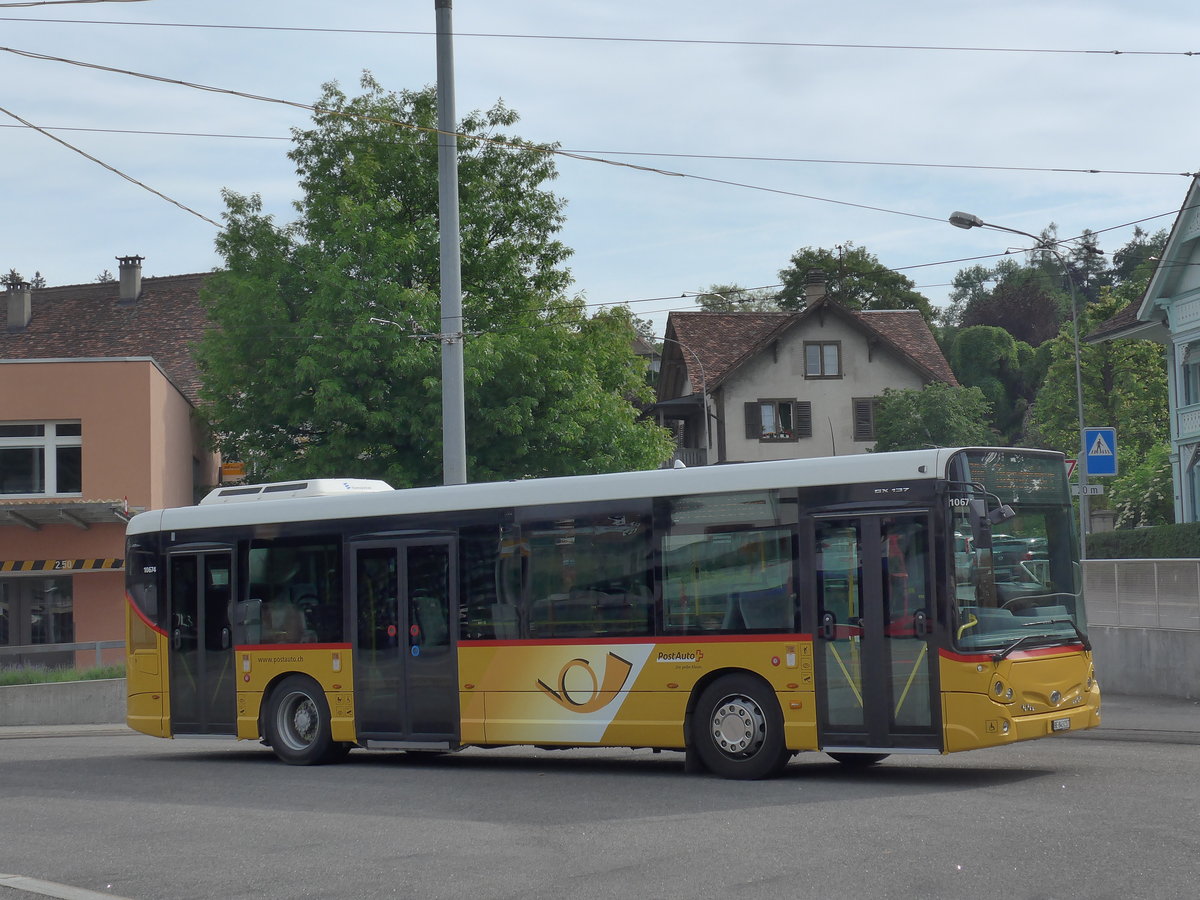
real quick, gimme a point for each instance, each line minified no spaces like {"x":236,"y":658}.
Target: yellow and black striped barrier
{"x":61,"y":565}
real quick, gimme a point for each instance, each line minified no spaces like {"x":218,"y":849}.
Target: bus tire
{"x":298,"y":723}
{"x":738,"y":729}
{"x":859,"y":760}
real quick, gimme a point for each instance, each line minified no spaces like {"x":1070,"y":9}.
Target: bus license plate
{"x":1060,"y":724}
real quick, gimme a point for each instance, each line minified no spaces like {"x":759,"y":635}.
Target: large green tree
{"x":1005,"y":371}
{"x":854,"y":277}
{"x":1124,"y":385}
{"x":938,"y":415}
{"x":325,"y":358}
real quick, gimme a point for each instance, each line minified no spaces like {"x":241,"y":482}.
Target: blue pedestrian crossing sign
{"x":1101,"y":444}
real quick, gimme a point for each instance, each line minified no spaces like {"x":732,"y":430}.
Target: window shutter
{"x":864,"y":418}
{"x":802,"y":418}
{"x":753,"y":422}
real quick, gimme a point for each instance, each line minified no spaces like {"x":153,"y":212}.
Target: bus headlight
{"x":1002,"y":691}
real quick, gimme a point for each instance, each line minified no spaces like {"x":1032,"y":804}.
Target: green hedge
{"x":40,"y":675}
{"x":1157,"y":542}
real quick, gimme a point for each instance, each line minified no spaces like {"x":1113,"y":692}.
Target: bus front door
{"x":405,"y":671}
{"x":201,"y":663}
{"x":876,"y":677}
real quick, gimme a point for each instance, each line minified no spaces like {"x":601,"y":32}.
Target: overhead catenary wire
{"x":20,"y":3}
{"x":112,"y":169}
{"x":1076,"y":170}
{"x":582,"y":155}
{"x":715,"y":42}
{"x":498,"y":142}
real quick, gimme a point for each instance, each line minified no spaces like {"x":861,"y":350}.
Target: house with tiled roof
{"x":98,"y":418}
{"x":1169,"y":313}
{"x":748,"y":386}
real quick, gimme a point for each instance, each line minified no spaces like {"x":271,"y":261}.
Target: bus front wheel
{"x":738,"y":729}
{"x":298,"y":724}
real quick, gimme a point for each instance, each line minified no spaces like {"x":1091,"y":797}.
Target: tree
{"x":15,"y":277}
{"x":731,"y":298}
{"x":105,"y":277}
{"x":938,"y":415}
{"x":1124,"y":385}
{"x":970,"y":286}
{"x":989,"y":358}
{"x":1143,"y":493}
{"x":854,"y":277}
{"x":325,"y":357}
{"x":1134,"y":261}
{"x":1025,"y":302}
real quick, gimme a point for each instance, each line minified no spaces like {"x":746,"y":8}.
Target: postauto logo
{"x":590,"y":692}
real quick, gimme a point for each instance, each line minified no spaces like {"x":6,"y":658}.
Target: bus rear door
{"x":874,"y":615}
{"x":405,"y":671}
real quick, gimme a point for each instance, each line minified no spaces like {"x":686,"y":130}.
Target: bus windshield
{"x":1017,"y":578}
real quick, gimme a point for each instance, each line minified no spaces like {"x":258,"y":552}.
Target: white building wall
{"x":863,"y":375}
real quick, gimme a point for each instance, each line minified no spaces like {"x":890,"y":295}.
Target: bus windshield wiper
{"x":1083,"y":638}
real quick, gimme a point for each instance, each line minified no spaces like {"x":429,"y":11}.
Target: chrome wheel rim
{"x":298,"y":720}
{"x":738,"y":726}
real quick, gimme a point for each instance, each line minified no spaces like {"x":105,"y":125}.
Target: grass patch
{"x":41,"y":675}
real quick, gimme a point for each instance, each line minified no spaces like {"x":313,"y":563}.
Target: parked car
{"x":1008,"y":554}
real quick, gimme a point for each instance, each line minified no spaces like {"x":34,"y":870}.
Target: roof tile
{"x":88,"y":321}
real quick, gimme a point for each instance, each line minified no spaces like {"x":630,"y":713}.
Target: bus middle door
{"x":876,"y":678}
{"x":406,"y":670}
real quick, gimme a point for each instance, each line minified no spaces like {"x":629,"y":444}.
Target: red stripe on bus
{"x":1073,"y":647}
{"x":694,"y":639}
{"x":260,"y":647}
{"x":141,"y":615}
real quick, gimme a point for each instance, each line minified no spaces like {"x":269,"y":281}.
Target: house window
{"x":41,"y":458}
{"x":778,"y":420}
{"x":864,"y":418}
{"x":823,"y":360}
{"x":1190,"y":376}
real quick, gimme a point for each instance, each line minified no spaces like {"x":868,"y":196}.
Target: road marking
{"x":52,"y":889}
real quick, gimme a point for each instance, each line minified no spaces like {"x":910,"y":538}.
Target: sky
{"x":775,"y":126}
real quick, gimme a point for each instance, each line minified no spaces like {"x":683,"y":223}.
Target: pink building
{"x":98,"y":392}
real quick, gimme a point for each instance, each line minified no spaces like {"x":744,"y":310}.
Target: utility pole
{"x":454,"y":419}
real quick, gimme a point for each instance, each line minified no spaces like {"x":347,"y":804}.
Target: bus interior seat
{"x":771,"y":608}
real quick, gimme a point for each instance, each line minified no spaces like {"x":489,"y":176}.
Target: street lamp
{"x":967,"y":220}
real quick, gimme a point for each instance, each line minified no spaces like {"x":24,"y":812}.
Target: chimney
{"x":131,"y":277}
{"x":20,"y":307}
{"x":814,"y":286}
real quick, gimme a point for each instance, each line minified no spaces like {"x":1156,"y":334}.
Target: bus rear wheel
{"x":737,"y":729}
{"x":298,"y":724}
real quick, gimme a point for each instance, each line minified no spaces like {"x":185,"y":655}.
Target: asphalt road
{"x":130,"y":816}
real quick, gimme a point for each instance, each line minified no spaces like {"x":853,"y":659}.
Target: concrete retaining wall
{"x":64,"y":703}
{"x":1151,"y":662}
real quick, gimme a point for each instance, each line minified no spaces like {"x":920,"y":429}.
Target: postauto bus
{"x":740,"y":614}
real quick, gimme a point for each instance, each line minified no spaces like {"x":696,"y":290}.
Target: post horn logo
{"x":616,"y":671}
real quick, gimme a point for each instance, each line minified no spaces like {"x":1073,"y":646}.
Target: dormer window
{"x":40,"y":459}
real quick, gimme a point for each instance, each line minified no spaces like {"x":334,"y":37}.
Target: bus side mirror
{"x":1002,"y":513}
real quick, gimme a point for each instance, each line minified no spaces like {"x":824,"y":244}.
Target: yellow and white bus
{"x":738,"y":613}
